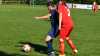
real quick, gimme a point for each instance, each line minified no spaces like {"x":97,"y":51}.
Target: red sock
{"x":71,"y":44}
{"x":62,"y":47}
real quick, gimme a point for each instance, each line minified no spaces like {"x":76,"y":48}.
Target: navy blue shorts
{"x":53,"y":31}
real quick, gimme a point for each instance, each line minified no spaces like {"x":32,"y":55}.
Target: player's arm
{"x":92,"y":6}
{"x":60,"y":16}
{"x":97,"y":7}
{"x":43,"y":17}
{"x":60,"y":20}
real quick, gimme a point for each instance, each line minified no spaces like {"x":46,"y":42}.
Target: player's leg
{"x":61,"y":47}
{"x":51,"y":35}
{"x":61,"y":43}
{"x":69,"y":41}
{"x":49,"y":43}
{"x":71,"y":44}
{"x":49,"y":39}
{"x":94,"y":10}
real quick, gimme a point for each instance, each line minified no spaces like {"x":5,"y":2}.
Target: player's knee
{"x":67,"y":38}
{"x":61,"y":40}
{"x":48,"y":38}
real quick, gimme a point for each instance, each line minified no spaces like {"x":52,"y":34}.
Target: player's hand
{"x":36,"y":17}
{"x":59,"y":28}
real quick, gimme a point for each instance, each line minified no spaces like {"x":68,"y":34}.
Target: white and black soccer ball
{"x":26,"y":48}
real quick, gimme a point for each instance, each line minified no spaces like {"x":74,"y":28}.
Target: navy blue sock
{"x":49,"y":45}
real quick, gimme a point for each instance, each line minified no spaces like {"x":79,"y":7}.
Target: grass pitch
{"x":18,"y":26}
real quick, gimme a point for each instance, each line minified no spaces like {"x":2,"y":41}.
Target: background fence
{"x":31,"y":3}
{"x":44,"y":2}
{"x":22,"y":3}
{"x":28,"y":2}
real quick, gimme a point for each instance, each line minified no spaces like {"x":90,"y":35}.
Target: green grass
{"x":17,"y":25}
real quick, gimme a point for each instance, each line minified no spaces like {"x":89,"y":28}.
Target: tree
{"x":40,"y":2}
{"x":98,"y":1}
{"x":0,"y":1}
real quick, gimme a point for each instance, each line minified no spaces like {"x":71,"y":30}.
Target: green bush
{"x":44,"y":2}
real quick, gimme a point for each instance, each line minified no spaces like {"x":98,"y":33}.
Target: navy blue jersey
{"x":54,"y":17}
{"x":54,"y":23}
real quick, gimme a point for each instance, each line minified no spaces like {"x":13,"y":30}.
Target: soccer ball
{"x":26,"y":48}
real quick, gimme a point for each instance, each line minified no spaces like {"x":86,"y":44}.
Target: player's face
{"x":60,"y":2}
{"x":94,"y":3}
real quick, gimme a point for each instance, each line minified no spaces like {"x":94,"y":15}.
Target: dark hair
{"x":63,"y":1}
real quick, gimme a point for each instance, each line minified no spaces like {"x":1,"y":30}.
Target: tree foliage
{"x":44,"y":2}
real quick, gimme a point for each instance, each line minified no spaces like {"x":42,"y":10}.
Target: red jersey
{"x":94,"y":6}
{"x":66,"y":18}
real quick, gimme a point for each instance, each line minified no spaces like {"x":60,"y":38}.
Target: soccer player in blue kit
{"x":52,"y":8}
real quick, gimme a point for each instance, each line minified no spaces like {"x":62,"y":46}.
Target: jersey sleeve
{"x":59,"y":8}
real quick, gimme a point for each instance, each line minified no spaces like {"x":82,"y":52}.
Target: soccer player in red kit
{"x":94,"y":7}
{"x":65,"y":27}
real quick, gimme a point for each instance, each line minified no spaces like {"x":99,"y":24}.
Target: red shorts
{"x":65,"y":31}
{"x":95,"y":8}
